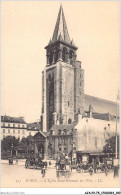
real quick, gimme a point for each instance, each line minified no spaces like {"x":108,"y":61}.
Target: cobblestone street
{"x":19,"y":176}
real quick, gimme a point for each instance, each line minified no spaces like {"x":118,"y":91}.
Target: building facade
{"x":13,"y":126}
{"x":16,"y":126}
{"x":71,"y":120}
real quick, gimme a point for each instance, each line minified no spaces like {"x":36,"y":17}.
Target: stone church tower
{"x":62,"y":79}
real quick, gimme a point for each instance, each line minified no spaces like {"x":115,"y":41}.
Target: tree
{"x":110,"y":146}
{"x":8,"y":142}
{"x":26,"y":144}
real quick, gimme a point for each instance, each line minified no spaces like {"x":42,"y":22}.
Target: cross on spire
{"x":61,"y":31}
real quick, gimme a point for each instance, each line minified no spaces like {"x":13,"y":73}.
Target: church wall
{"x":50,"y":95}
{"x":78,"y":88}
{"x":58,"y":92}
{"x":67,"y":92}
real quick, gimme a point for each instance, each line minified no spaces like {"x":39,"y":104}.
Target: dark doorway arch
{"x":41,"y":150}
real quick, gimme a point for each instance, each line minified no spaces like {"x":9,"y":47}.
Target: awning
{"x":93,"y":153}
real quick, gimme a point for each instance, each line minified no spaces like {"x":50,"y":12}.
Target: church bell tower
{"x":62,"y":79}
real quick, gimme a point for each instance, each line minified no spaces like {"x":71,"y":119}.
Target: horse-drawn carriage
{"x":85,"y":168}
{"x":35,"y":163}
{"x":63,"y":166}
{"x":82,"y":168}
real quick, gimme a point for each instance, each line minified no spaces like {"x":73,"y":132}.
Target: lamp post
{"x":109,"y":150}
{"x":116,"y":128}
{"x":12,"y":150}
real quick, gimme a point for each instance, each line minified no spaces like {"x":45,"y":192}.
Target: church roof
{"x":10,"y":119}
{"x":61,"y":30}
{"x":100,"y":105}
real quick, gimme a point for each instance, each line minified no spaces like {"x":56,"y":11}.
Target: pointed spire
{"x":61,"y":28}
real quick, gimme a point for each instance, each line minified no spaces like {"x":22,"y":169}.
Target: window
{"x":51,"y":131}
{"x":59,"y":131}
{"x":3,"y":124}
{"x":3,"y":136}
{"x":64,"y":148}
{"x":59,"y":149}
{"x":64,"y":54}
{"x":59,"y":141}
{"x":13,"y":125}
{"x":80,"y":75}
{"x":23,"y":126}
{"x":65,"y":131}
{"x":49,"y":77}
{"x":23,"y":131}
{"x":18,"y":125}
{"x":3,"y":130}
{"x":68,"y":104}
{"x":29,"y":133}
{"x":109,"y":125}
{"x":96,"y":141}
{"x":104,"y":128}
{"x":8,"y":130}
{"x":18,"y":131}
{"x":69,"y":121}
{"x":71,"y":54}
{"x":50,"y":57}
{"x":80,"y":83}
{"x":8,"y":125}
{"x":78,"y":110}
{"x":13,"y":131}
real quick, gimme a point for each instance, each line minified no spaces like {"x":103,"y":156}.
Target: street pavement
{"x":18,"y":176}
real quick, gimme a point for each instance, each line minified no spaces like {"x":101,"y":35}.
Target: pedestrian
{"x":116,"y":174}
{"x":90,"y":170}
{"x":43,"y":171}
{"x":16,"y":161}
{"x":106,"y":170}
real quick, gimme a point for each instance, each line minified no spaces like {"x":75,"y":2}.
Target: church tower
{"x":62,"y":79}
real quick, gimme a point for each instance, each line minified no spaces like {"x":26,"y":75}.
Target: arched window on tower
{"x":51,"y":57}
{"x":71,"y":54}
{"x":56,"y":56}
{"x":69,"y":121}
{"x":64,"y":52}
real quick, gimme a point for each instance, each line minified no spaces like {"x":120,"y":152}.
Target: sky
{"x":26,"y":28}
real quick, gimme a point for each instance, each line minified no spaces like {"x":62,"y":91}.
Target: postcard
{"x":60,"y":94}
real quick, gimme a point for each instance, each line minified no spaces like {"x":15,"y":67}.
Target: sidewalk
{"x":20,"y":161}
